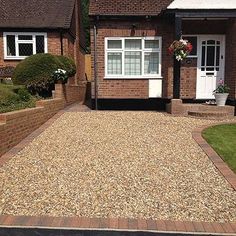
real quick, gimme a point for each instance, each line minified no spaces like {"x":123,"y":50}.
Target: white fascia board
{"x":203,"y":4}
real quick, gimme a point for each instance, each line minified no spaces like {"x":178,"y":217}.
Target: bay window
{"x":21,"y":45}
{"x":133,"y":57}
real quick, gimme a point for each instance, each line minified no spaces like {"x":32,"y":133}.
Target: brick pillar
{"x":82,"y":91}
{"x":59,"y":91}
{"x":175,"y":107}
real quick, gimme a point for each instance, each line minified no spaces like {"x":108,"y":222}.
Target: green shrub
{"x":23,"y":94}
{"x":67,"y":64}
{"x":35,"y":72}
{"x":15,"y":98}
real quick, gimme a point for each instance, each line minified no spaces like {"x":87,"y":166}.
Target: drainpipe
{"x":61,"y":39}
{"x":95,"y":67}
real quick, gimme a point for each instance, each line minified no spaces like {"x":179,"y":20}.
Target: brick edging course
{"x":219,"y":163}
{"x":120,"y":224}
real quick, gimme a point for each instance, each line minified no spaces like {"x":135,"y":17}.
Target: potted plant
{"x":221,"y":93}
{"x":60,"y":76}
{"x":180,"y":49}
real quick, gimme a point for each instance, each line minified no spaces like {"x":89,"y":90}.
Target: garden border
{"x":219,"y":163}
{"x":8,"y":222}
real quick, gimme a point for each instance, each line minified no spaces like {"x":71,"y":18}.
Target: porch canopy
{"x":198,"y":9}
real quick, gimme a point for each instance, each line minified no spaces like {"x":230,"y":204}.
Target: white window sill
{"x":133,"y":77}
{"x":192,"y":57}
{"x":14,"y":58}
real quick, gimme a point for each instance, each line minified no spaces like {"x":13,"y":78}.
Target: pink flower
{"x":221,"y":82}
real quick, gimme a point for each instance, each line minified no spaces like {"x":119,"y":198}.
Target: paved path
{"x":117,"y":164}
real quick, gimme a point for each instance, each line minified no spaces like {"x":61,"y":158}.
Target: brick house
{"x":45,"y":26}
{"x":129,"y":42}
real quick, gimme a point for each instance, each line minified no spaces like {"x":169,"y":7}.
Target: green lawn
{"x":223,"y":139}
{"x":14,"y":98}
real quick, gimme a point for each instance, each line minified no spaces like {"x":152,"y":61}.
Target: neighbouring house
{"x":129,"y":46}
{"x":28,"y":27}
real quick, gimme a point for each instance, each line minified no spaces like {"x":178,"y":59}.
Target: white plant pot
{"x":221,"y":98}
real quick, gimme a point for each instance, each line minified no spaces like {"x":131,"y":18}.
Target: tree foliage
{"x":85,"y":21}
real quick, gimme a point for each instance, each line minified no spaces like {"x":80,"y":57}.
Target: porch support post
{"x":177,"y":64}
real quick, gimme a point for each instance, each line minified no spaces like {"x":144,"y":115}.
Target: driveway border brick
{"x":119,"y":224}
{"x":219,"y":163}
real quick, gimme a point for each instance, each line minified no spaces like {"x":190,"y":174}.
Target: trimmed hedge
{"x":68,"y":64}
{"x":35,"y":72}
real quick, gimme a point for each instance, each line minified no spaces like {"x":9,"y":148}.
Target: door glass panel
{"x":211,"y":42}
{"x":210,"y":56}
{"x":210,"y":69}
{"x":203,"y":55}
{"x":218,"y":42}
{"x":203,"y":42}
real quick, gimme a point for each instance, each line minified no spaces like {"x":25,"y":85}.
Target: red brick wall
{"x":112,"y":88}
{"x":188,"y":79}
{"x":117,"y":88}
{"x":71,"y":46}
{"x":75,"y":93}
{"x":79,"y":44}
{"x":123,"y":89}
{"x":230,"y":65}
{"x":70,"y":93}
{"x":81,"y":65}
{"x":15,"y":126}
{"x":54,"y":43}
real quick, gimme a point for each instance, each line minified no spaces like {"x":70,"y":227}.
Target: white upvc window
{"x":19,"y":45}
{"x":133,"y":57}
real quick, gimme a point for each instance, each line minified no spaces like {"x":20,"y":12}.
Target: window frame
{"x":142,"y":50}
{"x":17,"y":42}
{"x":192,"y":35}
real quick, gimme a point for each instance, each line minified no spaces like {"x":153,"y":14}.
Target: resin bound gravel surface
{"x":117,"y":164}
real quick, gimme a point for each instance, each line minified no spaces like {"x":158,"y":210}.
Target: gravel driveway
{"x":117,"y":164}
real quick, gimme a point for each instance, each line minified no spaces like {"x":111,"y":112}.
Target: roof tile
{"x":36,"y":13}
{"x":128,"y":7}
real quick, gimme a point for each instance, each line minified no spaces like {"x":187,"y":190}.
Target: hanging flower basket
{"x":180,"y":49}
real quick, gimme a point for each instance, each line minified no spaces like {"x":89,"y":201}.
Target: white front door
{"x":211,"y":64}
